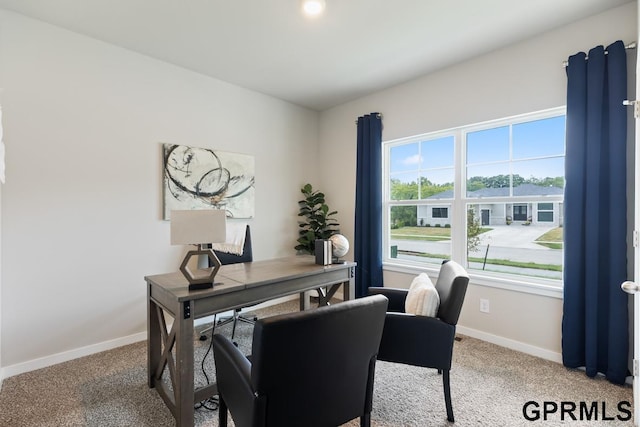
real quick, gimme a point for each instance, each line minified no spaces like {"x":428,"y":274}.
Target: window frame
{"x":457,"y":206}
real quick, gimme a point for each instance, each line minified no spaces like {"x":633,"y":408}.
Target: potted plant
{"x":318,"y":222}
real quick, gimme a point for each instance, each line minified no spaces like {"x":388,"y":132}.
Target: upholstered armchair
{"x":313,"y":368}
{"x":420,"y":340}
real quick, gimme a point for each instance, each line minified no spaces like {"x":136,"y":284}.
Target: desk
{"x":240,"y":285}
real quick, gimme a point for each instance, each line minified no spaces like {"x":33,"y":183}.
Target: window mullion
{"x":459,"y":216}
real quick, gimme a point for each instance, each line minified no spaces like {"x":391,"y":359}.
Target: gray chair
{"x":312,"y":368}
{"x":425,"y":341}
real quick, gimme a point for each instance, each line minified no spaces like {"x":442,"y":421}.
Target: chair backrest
{"x":315,"y":367}
{"x":451,"y":286}
{"x":231,"y":258}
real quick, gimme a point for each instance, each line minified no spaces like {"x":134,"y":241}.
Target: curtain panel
{"x":368,"y":209}
{"x":595,"y":318}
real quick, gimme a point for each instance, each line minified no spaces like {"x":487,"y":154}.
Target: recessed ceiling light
{"x":313,"y":7}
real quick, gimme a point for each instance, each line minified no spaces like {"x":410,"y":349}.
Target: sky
{"x":536,"y":149}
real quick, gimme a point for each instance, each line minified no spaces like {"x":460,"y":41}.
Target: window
{"x":420,"y":186}
{"x":440,"y":212}
{"x":496,"y":206}
{"x":545,"y":212}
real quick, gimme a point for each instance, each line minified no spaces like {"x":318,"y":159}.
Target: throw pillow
{"x":422,"y":298}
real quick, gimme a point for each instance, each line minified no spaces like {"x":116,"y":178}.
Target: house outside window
{"x":545,"y":212}
{"x":496,"y":206}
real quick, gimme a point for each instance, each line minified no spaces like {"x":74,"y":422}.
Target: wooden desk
{"x":240,"y":285}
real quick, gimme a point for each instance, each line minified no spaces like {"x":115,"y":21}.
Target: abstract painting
{"x":202,"y":178}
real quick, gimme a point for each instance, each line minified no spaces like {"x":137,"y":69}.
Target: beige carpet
{"x":490,"y":385}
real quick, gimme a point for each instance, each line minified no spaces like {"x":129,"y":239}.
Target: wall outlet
{"x":484,"y":305}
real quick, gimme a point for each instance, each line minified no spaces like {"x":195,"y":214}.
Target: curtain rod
{"x":377,"y":114}
{"x":631,"y":45}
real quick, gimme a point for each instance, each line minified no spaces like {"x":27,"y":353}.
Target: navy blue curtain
{"x":368,"y":214}
{"x":595,"y":319}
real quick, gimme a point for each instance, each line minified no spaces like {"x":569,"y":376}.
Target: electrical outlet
{"x":484,"y":305}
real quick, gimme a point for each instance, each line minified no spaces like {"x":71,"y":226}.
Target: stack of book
{"x":324,"y":252}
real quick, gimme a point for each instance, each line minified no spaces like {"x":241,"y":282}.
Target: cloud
{"x":412,"y":160}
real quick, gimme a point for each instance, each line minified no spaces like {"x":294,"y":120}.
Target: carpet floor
{"x":490,"y":386}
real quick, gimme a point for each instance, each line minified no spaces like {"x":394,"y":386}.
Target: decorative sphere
{"x":339,"y":245}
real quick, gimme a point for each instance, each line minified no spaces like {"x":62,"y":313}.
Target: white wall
{"x":82,"y":205}
{"x":522,"y":78}
{"x":1,"y":369}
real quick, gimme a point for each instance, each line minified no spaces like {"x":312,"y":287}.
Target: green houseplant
{"x":318,"y":222}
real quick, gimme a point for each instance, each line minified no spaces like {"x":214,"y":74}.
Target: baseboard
{"x":511,"y":344}
{"x":54,"y":359}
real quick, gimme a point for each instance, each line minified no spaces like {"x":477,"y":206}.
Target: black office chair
{"x":231,"y":258}
{"x":425,"y":341}
{"x":312,"y":368}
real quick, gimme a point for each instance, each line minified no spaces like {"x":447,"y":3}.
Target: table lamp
{"x":199,"y":227}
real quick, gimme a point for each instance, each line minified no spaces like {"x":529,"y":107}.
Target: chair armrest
{"x":396,"y":297}
{"x":233,"y":375}
{"x":417,"y":340}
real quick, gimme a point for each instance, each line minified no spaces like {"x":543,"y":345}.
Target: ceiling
{"x":356,"y":48}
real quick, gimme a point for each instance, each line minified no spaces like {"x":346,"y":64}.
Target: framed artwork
{"x":202,"y":178}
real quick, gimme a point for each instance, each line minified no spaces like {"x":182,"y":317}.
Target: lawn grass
{"x":491,"y":261}
{"x":422,"y":231}
{"x":421,"y":238}
{"x":551,"y":239}
{"x":518,"y":264}
{"x":550,"y":245}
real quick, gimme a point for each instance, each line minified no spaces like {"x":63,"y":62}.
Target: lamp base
{"x":200,"y":286}
{"x":201,"y":281}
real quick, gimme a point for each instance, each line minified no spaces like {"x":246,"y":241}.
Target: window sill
{"x":541,"y":287}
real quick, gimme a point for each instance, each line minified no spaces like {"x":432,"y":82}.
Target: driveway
{"x":515,"y":236}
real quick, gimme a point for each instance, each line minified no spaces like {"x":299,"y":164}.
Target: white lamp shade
{"x":193,"y":227}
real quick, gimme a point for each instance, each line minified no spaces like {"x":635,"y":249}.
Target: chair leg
{"x":222,"y":412}
{"x":365,"y":420}
{"x":235,"y":323}
{"x":447,"y":395}
{"x":237,"y":317}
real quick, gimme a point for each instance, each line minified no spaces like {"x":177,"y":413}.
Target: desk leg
{"x":184,"y":392}
{"x":305,"y":301}
{"x":349,"y":287}
{"x":153,"y":339}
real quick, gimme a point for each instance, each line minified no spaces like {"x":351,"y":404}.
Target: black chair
{"x":231,"y":258}
{"x":425,"y":341}
{"x":312,"y":368}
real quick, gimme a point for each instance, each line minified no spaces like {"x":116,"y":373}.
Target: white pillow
{"x":423,"y":298}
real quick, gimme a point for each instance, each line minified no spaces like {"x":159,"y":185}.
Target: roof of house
{"x":521,"y":190}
